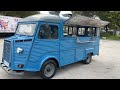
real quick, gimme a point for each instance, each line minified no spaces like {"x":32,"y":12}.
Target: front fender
{"x":45,"y":58}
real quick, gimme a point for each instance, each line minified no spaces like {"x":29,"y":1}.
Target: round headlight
{"x":19,"y":50}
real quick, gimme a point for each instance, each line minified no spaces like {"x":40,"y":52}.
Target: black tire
{"x":48,"y":69}
{"x":88,"y":59}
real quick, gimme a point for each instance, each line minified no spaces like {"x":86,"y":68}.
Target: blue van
{"x":47,"y":42}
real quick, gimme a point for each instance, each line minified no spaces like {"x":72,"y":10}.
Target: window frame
{"x":54,"y":24}
{"x":95,"y":32}
{"x":27,"y":23}
{"x":81,"y":30}
{"x":85,"y":30}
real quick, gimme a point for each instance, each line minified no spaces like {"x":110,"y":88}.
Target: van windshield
{"x":26,"y":29}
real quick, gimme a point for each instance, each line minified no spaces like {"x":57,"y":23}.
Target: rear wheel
{"x":88,"y":59}
{"x":48,"y":69}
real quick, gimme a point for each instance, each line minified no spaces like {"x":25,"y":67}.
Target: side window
{"x":74,"y":33}
{"x":48,"y":31}
{"x":81,"y":31}
{"x":91,"y":31}
{"x":70,"y":31}
{"x":65,"y":31}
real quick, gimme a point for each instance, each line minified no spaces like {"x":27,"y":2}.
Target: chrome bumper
{"x":9,"y":71}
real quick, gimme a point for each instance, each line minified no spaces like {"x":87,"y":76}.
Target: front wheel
{"x":88,"y":60}
{"x":48,"y":69}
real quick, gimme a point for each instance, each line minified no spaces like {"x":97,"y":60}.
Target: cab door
{"x":46,"y":42}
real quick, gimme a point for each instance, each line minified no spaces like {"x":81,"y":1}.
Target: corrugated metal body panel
{"x":44,"y":47}
{"x":71,"y":51}
{"x":22,"y":57}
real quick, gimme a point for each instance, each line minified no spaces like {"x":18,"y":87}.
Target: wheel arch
{"x":43,"y":60}
{"x":90,"y":51}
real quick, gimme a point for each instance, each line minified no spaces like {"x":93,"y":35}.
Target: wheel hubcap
{"x":89,"y":59}
{"x":49,"y":70}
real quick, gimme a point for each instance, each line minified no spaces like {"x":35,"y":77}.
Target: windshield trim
{"x":26,"y":23}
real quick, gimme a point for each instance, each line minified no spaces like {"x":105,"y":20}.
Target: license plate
{"x":6,"y":63}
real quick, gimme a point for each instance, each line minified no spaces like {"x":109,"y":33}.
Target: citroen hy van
{"x":47,"y":42}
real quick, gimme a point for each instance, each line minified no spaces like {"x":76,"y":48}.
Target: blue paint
{"x":65,"y":50}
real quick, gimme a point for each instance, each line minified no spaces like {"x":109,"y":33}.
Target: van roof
{"x":42,"y":17}
{"x":75,"y":20}
{"x":79,"y":20}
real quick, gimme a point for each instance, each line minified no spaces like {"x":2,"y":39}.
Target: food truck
{"x":46,"y":42}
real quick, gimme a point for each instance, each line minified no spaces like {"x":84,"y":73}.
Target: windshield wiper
{"x":26,"y":33}
{"x":18,"y":31}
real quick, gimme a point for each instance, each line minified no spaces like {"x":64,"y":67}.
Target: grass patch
{"x":109,"y":36}
{"x":113,"y":37}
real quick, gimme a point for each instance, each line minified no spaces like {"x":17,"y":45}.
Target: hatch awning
{"x":79,"y":20}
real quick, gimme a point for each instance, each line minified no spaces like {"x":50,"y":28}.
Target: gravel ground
{"x":104,"y":66}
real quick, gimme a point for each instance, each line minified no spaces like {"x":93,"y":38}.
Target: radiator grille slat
{"x":6,"y":52}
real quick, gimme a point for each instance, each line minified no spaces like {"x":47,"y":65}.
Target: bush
{"x":105,"y":35}
{"x":113,"y":37}
{"x":109,"y":36}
